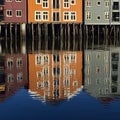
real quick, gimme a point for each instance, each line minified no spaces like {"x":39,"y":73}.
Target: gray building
{"x":102,"y":68}
{"x":102,"y":12}
{"x":97,"y":12}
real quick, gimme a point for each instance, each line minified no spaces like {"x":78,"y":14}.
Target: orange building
{"x":62,"y":11}
{"x":55,"y":76}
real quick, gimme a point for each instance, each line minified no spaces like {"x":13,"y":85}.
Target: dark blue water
{"x":22,"y":106}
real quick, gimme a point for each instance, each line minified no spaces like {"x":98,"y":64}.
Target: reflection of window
{"x":56,"y":82}
{"x":56,"y":93}
{"x":115,"y":67}
{"x":45,"y":83}
{"x":114,"y":89}
{"x":39,"y":74}
{"x":115,"y":56}
{"x":19,"y":76}
{"x":46,"y":59}
{"x":46,"y":72}
{"x":10,"y":78}
{"x":73,"y":58}
{"x":56,"y":71}
{"x":114,"y":78}
{"x":66,"y":92}
{"x":10,"y":63}
{"x":66,"y":82}
{"x":66,"y":58}
{"x":75,"y":83}
{"x":56,"y":57}
{"x":66,"y":70}
{"x":19,"y":62}
{"x":97,"y":69}
{"x":38,"y":59}
{"x":39,"y":84}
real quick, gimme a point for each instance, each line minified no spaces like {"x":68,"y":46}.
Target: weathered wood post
{"x":68,"y":27}
{"x":16,"y":37}
{"x":81,"y":38}
{"x":61,"y":36}
{"x":39,"y":36}
{"x":6,"y":39}
{"x":73,"y":36}
{"x":92,"y":36}
{"x":32,"y":28}
{"x":53,"y":37}
{"x":11,"y":38}
{"x":23,"y":37}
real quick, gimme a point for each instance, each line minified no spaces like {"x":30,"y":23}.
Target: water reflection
{"x":13,"y":74}
{"x":55,"y":75}
{"x":102,"y":77}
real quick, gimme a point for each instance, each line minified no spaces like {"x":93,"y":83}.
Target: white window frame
{"x":66,"y":4}
{"x":38,"y":2}
{"x":7,"y":15}
{"x":19,"y":62}
{"x":19,"y":77}
{"x":18,"y":11}
{"x":88,"y":15}
{"x":46,"y":2}
{"x":18,"y":0}
{"x":74,"y":2}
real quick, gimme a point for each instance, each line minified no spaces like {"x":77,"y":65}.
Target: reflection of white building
{"x":102,"y":68}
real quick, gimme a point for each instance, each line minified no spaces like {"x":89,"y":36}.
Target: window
{"x":18,"y":13}
{"x":116,"y":16}
{"x":88,"y":3}
{"x":87,"y":58}
{"x":88,"y":15}
{"x":56,"y":16}
{"x":45,"y":3}
{"x":45,"y":16}
{"x":19,"y":76}
{"x":56,"y":93}
{"x":107,"y":3}
{"x":66,"y":4}
{"x":73,"y":1}
{"x":38,"y":1}
{"x":115,"y":5}
{"x":106,"y":15}
{"x":46,"y":84}
{"x":73,"y":16}
{"x":38,"y":15}
{"x":19,"y":62}
{"x":38,"y":59}
{"x":10,"y":78}
{"x":56,"y":4}
{"x":10,"y":63}
{"x":66,"y":15}
{"x":9,"y":13}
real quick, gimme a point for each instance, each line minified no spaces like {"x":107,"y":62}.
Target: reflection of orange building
{"x":55,"y":11}
{"x":55,"y":76}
